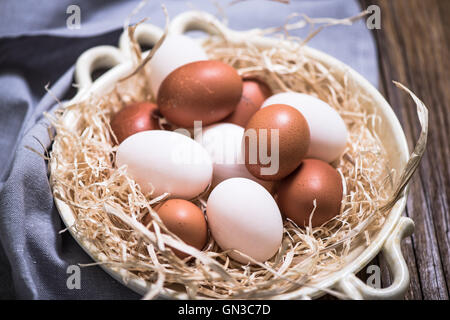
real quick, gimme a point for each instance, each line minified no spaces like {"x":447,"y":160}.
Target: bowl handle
{"x":92,"y":59}
{"x":196,"y":20}
{"x":354,"y":288}
{"x":146,"y":34}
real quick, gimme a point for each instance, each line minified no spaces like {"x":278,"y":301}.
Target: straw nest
{"x":109,"y":207}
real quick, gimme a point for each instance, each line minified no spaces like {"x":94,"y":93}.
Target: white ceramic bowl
{"x":387,"y":240}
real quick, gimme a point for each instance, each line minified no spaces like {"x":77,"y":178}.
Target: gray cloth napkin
{"x":37,"y":48}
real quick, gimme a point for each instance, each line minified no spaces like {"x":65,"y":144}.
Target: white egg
{"x":175,"y":51}
{"x":165,"y":161}
{"x":328,"y":131}
{"x":242,"y":215}
{"x":223,"y":141}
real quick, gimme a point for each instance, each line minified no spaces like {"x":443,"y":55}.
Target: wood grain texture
{"x":413,"y":48}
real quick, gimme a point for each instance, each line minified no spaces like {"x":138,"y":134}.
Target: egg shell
{"x":185,"y":220}
{"x":242,"y":215}
{"x":313,"y":180}
{"x":175,"y":51}
{"x":206,"y":91}
{"x":289,"y":149}
{"x":166,"y":161}
{"x":223,"y":141}
{"x":133,"y":118}
{"x":328,"y":131}
{"x":254,"y":93}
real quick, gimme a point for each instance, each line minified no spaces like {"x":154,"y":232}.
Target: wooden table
{"x":413,"y":48}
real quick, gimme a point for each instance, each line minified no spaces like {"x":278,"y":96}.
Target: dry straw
{"x":108,"y":205}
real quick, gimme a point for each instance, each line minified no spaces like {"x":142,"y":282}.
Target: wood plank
{"x":413,"y":49}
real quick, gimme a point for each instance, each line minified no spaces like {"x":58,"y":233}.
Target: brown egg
{"x":184,"y":219}
{"x":134,"y":118}
{"x":282,"y":155}
{"x":204,"y":90}
{"x":254,"y":93}
{"x":314,"y":179}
